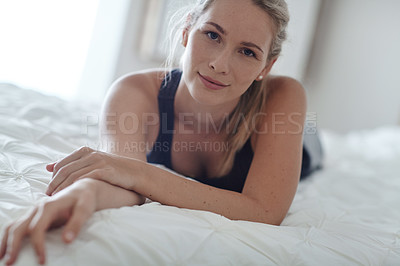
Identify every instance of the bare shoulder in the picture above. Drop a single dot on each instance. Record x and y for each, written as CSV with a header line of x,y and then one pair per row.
x,y
285,107
282,80
130,101
140,86
283,89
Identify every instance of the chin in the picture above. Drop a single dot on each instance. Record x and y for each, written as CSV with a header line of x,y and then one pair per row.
x,y
203,97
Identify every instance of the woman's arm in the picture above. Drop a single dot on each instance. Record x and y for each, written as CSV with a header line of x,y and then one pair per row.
x,y
164,186
170,189
109,196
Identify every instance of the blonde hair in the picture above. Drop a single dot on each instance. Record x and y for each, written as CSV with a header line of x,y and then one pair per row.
x,y
253,100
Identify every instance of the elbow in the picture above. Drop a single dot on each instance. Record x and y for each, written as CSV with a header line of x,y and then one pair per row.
x,y
267,220
273,220
269,216
277,222
141,200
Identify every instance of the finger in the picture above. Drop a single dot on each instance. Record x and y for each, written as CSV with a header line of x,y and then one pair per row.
x,y
66,172
15,235
13,244
70,180
38,227
80,214
38,245
50,167
3,247
72,157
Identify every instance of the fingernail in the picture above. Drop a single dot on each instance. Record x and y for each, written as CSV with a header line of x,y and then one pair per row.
x,y
69,236
41,260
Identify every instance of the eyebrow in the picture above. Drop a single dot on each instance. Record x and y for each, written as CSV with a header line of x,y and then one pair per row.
x,y
220,29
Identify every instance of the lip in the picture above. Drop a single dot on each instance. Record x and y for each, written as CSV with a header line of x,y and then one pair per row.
x,y
212,83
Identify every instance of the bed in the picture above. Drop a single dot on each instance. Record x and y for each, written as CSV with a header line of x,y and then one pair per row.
x,y
345,214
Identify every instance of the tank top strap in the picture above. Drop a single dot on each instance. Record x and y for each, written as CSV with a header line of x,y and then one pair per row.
x,y
166,99
169,85
161,150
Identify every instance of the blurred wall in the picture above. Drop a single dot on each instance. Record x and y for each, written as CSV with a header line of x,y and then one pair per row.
x,y
114,46
353,77
296,49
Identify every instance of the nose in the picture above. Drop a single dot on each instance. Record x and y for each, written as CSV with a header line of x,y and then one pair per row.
x,y
220,62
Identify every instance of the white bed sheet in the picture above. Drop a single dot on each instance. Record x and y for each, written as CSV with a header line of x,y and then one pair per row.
x,y
346,214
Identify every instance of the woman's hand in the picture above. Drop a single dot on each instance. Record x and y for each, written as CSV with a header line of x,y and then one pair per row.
x,y
73,207
88,163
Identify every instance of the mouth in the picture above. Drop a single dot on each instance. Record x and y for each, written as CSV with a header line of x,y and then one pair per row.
x,y
212,83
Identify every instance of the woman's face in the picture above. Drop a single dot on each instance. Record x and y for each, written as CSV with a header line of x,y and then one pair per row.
x,y
226,50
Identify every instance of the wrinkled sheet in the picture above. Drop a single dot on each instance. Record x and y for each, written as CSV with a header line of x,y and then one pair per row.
x,y
346,214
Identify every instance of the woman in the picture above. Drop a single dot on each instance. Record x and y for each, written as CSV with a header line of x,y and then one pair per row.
x,y
223,94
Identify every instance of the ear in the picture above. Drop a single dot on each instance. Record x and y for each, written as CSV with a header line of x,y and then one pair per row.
x,y
185,35
185,32
266,69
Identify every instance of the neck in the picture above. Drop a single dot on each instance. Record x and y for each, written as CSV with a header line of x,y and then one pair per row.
x,y
199,117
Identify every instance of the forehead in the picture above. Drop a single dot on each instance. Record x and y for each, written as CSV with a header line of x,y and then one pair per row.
x,y
241,19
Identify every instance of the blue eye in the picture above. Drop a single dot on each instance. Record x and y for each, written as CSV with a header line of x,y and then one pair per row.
x,y
249,53
212,35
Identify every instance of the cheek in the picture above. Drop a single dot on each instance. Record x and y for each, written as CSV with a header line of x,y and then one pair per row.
x,y
244,74
197,51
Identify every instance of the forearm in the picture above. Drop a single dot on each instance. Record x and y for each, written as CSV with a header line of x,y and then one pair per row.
x,y
110,196
170,189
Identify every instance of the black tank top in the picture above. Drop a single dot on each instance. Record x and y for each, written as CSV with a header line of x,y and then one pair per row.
x,y
161,150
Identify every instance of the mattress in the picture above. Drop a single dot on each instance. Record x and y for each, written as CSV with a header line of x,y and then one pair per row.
x,y
344,214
